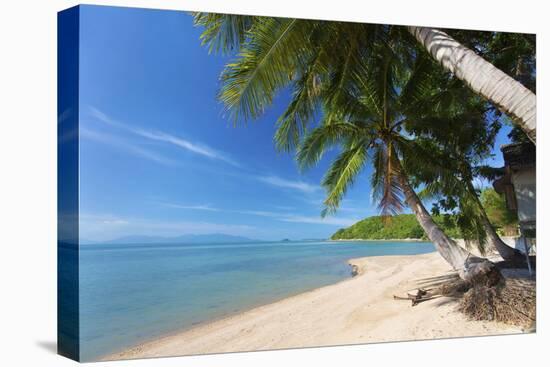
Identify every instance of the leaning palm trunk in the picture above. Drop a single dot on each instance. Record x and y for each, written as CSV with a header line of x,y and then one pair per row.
x,y
509,95
470,268
505,251
493,239
447,248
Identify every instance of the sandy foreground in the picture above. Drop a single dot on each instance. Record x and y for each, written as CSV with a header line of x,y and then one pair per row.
x,y
355,311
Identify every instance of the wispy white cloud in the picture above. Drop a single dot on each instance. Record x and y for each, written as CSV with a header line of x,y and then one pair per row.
x,y
346,206
101,227
192,207
284,207
350,209
207,207
115,222
258,213
130,148
193,147
334,221
280,216
200,149
102,116
295,185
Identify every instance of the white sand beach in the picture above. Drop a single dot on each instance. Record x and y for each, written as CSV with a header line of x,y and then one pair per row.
x,y
355,311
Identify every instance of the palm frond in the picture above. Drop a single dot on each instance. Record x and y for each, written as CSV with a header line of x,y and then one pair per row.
x,y
418,85
488,172
340,74
305,100
377,176
342,174
470,223
322,138
385,181
223,33
267,62
430,191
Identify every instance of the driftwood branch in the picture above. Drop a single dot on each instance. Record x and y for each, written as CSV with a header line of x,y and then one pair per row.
x,y
420,296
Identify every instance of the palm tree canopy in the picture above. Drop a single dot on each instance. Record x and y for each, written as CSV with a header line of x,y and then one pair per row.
x,y
308,55
363,80
368,85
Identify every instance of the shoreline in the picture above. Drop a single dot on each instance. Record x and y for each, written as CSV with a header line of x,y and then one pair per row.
x,y
114,356
380,240
356,310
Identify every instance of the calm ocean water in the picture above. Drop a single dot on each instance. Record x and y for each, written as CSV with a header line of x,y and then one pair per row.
x,y
133,293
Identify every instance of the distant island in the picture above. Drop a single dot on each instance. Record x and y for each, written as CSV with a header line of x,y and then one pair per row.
x,y
188,239
403,226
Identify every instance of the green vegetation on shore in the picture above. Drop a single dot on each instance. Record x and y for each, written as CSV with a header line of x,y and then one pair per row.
x,y
504,220
406,226
395,227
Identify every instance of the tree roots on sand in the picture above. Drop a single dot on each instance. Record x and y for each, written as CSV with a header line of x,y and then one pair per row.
x,y
511,299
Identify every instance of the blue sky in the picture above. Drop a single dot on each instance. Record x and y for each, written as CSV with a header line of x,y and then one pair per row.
x,y
158,156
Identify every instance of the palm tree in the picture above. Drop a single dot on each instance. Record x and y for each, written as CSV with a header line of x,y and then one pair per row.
x,y
366,123
456,145
354,74
482,77
379,141
363,101
451,184
276,52
505,251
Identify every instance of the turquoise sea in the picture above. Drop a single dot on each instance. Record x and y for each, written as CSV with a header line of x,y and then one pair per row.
x,y
133,293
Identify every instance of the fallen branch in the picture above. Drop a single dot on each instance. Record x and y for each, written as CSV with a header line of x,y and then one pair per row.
x,y
420,296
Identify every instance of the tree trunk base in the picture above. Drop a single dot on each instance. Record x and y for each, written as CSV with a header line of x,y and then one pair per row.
x,y
513,302
478,271
484,293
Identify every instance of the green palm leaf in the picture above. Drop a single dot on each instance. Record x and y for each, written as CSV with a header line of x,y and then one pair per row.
x,y
223,33
322,138
266,63
305,100
342,174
